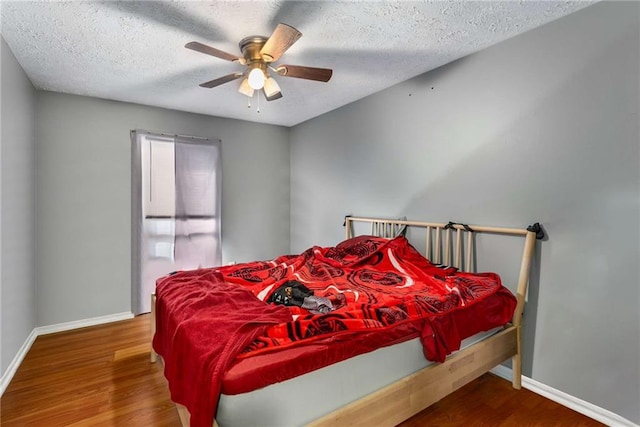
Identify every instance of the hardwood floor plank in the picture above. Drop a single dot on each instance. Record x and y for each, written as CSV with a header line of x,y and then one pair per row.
x,y
101,376
491,401
98,376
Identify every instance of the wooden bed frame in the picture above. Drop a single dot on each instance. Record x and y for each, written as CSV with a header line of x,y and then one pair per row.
x,y
406,397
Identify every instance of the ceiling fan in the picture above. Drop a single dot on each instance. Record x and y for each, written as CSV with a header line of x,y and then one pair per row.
x,y
259,54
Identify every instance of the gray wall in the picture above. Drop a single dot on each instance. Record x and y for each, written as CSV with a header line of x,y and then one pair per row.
x,y
83,187
17,281
543,127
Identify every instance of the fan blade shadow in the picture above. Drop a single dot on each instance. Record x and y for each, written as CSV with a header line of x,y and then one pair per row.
x,y
178,81
359,61
208,50
170,15
296,13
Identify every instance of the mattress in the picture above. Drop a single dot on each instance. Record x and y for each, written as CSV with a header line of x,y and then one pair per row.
x,y
305,398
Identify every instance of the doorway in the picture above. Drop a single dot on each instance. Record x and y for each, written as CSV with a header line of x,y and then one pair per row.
x,y
175,209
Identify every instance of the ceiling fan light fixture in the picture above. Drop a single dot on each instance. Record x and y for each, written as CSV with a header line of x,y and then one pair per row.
x,y
256,78
245,89
259,54
271,87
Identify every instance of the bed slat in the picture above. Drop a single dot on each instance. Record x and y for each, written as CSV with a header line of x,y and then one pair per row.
x,y
458,249
438,245
468,259
447,248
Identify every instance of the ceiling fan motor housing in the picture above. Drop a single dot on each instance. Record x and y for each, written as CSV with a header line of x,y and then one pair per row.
x,y
250,48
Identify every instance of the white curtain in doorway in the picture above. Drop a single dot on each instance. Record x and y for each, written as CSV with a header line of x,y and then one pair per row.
x,y
197,215
176,203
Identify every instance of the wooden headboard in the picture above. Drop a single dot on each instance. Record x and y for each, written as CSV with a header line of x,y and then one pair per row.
x,y
442,247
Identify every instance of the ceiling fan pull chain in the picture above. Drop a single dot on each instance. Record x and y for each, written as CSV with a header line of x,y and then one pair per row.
x,y
248,102
258,103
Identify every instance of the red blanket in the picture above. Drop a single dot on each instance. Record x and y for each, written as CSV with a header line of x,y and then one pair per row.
x,y
373,284
204,322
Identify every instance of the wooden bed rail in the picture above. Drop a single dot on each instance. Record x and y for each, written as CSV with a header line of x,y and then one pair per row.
x,y
441,247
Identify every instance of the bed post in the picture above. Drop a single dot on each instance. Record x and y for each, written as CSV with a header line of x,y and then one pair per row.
x,y
347,225
154,355
523,282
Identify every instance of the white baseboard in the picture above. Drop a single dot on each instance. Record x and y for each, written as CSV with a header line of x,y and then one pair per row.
x,y
17,361
76,324
43,330
582,406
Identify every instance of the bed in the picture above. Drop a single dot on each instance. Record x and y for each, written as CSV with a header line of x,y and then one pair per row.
x,y
368,332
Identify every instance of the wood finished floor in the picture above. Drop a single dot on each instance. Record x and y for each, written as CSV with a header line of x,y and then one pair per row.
x,y
101,376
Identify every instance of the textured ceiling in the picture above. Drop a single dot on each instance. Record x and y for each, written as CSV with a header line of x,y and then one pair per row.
x,y
134,51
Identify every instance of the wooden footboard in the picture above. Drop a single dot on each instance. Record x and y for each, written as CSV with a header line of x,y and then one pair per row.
x,y
401,400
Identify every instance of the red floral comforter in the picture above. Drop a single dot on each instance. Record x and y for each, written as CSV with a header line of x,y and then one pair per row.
x,y
362,285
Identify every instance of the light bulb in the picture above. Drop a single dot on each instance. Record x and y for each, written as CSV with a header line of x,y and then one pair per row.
x,y
256,78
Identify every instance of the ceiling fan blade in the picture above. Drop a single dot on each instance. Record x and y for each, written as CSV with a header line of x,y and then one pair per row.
x,y
273,97
203,48
282,38
309,73
222,80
